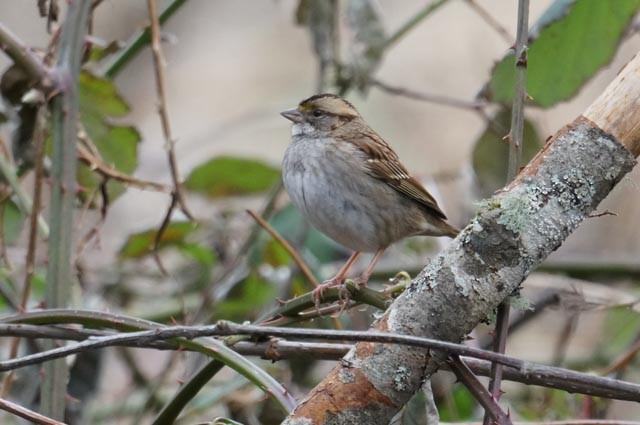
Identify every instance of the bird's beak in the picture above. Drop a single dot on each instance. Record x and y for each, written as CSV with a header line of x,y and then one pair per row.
x,y
293,115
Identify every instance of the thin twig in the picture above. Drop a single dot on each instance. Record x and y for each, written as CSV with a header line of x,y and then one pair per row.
x,y
426,97
623,390
118,61
562,343
602,214
158,236
27,414
38,141
225,328
499,346
415,20
490,20
516,138
94,231
486,400
282,241
158,62
623,360
97,164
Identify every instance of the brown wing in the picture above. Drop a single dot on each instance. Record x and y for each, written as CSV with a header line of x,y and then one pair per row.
x,y
383,163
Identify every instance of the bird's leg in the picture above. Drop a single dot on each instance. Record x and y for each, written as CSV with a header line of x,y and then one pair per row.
x,y
336,280
364,277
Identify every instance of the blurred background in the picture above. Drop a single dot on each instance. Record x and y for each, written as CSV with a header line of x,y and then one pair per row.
x,y
230,68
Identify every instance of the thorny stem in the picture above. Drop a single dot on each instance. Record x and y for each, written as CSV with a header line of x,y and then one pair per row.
x,y
520,92
137,42
283,349
158,62
64,111
486,400
516,137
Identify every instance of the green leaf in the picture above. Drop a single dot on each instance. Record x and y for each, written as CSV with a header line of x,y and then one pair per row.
x,y
117,145
199,253
621,327
225,175
459,407
490,154
141,244
574,39
98,96
12,220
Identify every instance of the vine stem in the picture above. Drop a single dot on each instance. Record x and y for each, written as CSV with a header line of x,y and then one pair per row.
x,y
64,114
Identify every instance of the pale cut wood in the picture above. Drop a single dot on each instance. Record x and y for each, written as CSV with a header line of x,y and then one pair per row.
x,y
617,110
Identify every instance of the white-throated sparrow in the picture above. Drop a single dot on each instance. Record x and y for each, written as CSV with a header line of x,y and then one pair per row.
x,y
349,183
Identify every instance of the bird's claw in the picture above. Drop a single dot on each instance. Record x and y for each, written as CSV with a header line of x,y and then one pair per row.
x,y
343,293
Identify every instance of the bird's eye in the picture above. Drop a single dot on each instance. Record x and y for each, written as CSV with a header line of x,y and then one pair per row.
x,y
317,113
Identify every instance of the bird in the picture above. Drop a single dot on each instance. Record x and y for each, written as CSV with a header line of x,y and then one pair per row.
x,y
350,184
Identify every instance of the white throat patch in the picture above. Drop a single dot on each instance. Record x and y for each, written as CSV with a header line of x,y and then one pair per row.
x,y
298,129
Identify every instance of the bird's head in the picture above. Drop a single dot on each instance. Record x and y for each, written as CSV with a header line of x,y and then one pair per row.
x,y
321,113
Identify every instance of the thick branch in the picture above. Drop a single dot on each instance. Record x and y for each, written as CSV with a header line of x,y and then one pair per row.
x,y
516,230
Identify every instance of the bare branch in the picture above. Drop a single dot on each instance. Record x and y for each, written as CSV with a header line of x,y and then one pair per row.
x,y
426,97
486,399
415,20
490,20
27,414
158,62
98,165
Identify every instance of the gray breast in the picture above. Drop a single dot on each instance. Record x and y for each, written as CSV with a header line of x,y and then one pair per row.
x,y
339,199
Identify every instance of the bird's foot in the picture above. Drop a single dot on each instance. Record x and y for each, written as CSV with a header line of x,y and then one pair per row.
x,y
319,291
362,279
